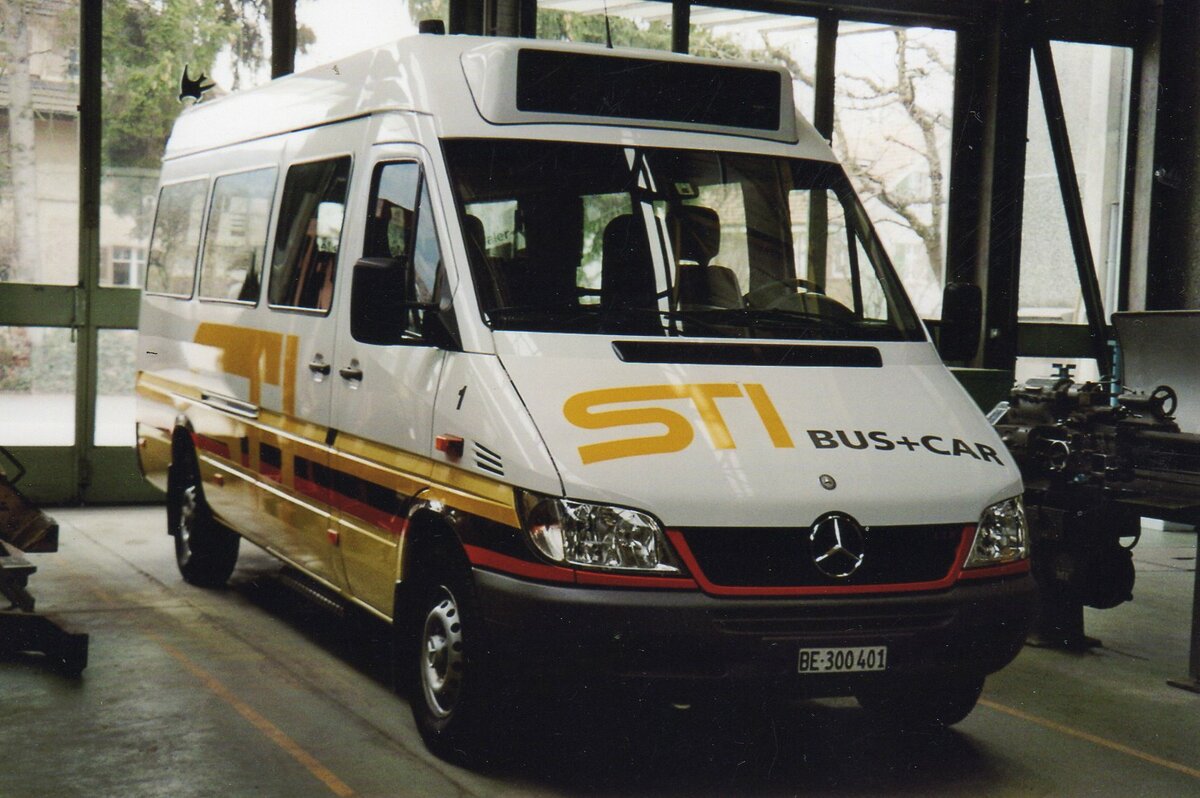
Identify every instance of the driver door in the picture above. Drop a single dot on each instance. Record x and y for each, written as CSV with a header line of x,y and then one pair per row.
x,y
383,394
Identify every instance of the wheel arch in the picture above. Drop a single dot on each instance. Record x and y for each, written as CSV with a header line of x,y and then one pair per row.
x,y
183,450
431,527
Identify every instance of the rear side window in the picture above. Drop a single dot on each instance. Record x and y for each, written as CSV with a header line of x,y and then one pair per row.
x,y
235,242
309,234
175,242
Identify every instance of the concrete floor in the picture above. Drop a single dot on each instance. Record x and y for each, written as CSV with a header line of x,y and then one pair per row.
x,y
247,691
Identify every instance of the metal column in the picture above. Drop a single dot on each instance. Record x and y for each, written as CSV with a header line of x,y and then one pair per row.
x,y
1068,183
283,38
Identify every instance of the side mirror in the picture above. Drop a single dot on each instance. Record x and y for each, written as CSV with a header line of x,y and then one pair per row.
x,y
962,315
380,301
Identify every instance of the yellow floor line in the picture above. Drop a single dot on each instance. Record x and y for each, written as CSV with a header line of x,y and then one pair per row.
x,y
214,685
1092,738
273,732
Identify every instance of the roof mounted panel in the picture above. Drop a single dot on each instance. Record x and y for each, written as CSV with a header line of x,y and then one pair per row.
x,y
514,84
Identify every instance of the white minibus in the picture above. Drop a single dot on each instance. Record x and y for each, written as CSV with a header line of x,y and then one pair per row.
x,y
564,360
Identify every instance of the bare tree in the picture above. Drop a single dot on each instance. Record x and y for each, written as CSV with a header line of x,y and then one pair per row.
x,y
15,27
919,208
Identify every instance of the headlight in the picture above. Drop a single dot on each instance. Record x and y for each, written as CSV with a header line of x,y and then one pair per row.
x,y
1002,535
598,536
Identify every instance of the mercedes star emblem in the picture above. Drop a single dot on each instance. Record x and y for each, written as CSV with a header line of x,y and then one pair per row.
x,y
837,545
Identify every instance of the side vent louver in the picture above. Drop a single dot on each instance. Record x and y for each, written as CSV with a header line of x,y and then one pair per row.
x,y
488,461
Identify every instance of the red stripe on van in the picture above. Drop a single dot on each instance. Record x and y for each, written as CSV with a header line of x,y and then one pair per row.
x,y
212,445
602,579
486,558
992,571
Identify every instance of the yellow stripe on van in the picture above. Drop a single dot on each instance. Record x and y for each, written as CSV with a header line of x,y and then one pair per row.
x,y
405,472
257,355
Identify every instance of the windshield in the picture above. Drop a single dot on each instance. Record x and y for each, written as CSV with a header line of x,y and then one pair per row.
x,y
592,238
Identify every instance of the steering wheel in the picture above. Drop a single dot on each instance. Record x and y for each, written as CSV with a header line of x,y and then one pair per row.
x,y
808,285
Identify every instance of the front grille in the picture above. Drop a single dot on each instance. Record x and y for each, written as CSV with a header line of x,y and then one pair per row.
x,y
783,557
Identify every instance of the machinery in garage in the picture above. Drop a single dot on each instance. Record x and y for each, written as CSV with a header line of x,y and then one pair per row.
x,y
1094,465
24,529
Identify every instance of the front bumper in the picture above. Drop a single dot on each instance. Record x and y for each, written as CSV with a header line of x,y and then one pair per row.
x,y
973,628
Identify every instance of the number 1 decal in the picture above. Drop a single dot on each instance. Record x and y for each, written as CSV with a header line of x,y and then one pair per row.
x,y
462,394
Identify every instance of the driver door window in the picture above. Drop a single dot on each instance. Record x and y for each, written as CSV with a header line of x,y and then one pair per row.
x,y
402,228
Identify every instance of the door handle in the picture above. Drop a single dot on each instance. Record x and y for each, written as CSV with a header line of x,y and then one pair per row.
x,y
320,367
352,372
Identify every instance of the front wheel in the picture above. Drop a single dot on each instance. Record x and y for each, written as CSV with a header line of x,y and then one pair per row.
x,y
452,688
930,704
205,551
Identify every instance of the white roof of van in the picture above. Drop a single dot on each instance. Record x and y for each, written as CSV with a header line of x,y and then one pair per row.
x,y
424,74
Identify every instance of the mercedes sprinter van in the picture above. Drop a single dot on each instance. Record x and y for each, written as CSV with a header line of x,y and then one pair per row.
x,y
558,356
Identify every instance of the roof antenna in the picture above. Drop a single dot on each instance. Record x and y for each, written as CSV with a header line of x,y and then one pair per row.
x,y
607,28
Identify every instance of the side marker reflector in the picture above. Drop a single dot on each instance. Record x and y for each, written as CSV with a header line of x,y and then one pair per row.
x,y
450,445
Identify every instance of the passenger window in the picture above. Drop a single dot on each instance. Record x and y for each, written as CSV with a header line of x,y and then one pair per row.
x,y
309,234
235,241
175,241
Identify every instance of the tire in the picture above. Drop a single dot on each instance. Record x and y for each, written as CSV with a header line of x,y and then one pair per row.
x,y
205,551
930,705
447,668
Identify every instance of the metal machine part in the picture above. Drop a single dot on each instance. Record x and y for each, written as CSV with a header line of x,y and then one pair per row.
x,y
25,528
1094,464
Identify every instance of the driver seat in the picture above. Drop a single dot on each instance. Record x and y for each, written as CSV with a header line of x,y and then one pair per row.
x,y
696,236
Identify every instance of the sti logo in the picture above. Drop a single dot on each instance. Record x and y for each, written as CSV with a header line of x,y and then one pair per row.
x,y
678,432
583,411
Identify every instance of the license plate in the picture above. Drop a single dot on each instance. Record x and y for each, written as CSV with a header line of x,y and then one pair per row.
x,y
853,659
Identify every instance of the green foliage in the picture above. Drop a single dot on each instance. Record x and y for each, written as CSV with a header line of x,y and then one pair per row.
x,y
36,361
14,360
42,361
146,45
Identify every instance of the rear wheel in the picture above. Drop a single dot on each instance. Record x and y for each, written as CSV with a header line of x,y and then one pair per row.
x,y
205,551
930,704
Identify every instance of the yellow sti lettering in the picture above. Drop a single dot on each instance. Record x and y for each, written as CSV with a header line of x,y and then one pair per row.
x,y
770,416
579,410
